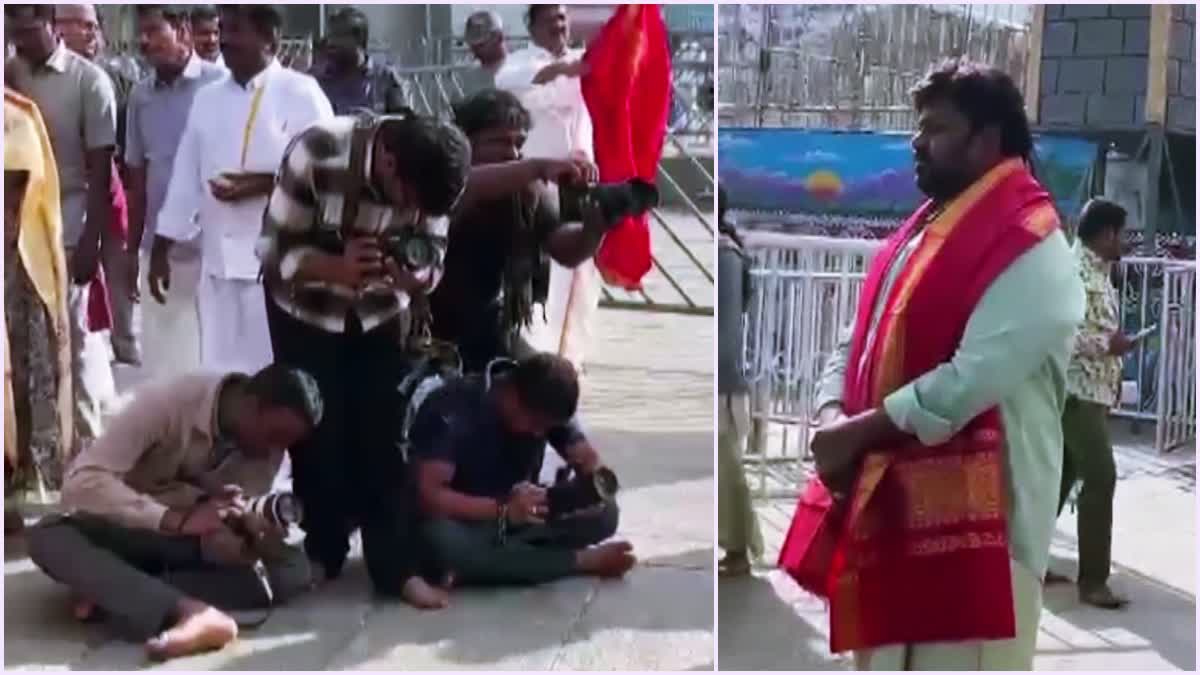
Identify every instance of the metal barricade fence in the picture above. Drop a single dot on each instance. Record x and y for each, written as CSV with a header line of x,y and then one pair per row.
x,y
1177,365
804,293
803,289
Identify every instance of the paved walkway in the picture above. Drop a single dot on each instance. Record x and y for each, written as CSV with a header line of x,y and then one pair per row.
x,y
648,404
767,623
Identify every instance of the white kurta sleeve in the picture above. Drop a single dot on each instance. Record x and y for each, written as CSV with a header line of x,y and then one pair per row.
x,y
185,191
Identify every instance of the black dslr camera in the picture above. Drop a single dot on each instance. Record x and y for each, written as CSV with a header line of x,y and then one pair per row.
x,y
616,201
412,250
580,491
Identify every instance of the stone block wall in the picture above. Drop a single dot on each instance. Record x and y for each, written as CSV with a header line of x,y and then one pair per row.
x,y
1181,70
1095,66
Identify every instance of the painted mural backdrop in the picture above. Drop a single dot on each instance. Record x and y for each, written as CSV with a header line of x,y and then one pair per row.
x,y
864,174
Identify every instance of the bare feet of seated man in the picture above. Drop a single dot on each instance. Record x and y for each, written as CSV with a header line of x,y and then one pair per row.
x,y
197,628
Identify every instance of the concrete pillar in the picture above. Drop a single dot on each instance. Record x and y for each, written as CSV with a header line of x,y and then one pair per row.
x,y
1156,70
1154,162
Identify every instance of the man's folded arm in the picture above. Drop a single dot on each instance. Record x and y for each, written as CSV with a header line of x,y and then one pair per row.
x,y
1006,340
291,212
95,481
440,500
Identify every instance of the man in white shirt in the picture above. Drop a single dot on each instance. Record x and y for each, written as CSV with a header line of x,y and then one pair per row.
x,y
234,140
545,76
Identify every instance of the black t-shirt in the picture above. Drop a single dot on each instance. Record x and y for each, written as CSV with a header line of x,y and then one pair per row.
x,y
466,302
461,424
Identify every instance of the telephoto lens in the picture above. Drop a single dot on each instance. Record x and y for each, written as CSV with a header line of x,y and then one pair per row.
x,y
616,201
281,509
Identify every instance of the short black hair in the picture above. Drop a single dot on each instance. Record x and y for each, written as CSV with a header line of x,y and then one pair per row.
x,y
548,385
531,14
986,96
355,21
491,109
204,13
44,12
1099,215
172,14
266,19
433,156
282,386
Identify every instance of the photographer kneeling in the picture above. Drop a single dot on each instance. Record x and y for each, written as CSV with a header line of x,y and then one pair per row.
x,y
479,442
158,533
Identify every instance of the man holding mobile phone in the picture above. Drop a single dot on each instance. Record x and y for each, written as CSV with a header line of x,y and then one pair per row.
x,y
1093,388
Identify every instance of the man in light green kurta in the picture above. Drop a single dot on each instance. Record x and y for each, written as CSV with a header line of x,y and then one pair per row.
x,y
1014,353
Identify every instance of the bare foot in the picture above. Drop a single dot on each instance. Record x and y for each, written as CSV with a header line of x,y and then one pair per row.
x,y
418,593
611,560
200,628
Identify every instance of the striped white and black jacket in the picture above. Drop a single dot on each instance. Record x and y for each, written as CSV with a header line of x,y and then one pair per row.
x,y
304,214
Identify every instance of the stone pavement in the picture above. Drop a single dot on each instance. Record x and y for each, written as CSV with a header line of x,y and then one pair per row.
x,y
648,401
766,622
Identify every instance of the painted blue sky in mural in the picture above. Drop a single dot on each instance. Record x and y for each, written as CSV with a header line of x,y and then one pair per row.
x,y
857,173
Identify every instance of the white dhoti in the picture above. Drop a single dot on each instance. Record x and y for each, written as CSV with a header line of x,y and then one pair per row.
x,y
1014,654
171,331
234,336
571,306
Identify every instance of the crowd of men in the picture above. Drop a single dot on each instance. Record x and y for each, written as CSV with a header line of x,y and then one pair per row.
x,y
294,262
955,415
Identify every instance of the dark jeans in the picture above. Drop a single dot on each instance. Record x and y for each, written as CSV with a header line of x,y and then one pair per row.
x,y
139,576
1089,457
350,472
530,555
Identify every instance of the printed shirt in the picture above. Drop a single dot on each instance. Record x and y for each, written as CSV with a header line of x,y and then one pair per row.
x,y
304,216
235,128
1094,374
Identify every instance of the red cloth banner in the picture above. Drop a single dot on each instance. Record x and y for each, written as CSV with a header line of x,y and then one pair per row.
x,y
628,94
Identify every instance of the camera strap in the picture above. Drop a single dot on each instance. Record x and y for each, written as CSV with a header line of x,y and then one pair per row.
x,y
364,130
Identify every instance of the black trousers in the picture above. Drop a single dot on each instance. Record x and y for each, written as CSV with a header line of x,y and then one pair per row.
x,y
479,345
350,473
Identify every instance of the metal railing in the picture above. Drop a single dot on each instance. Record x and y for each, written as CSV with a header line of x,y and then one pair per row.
x,y
804,293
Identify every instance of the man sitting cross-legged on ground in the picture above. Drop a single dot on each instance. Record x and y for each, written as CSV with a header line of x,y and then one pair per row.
x,y
479,442
155,533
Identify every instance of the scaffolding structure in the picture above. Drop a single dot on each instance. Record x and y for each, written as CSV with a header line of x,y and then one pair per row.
x,y
851,66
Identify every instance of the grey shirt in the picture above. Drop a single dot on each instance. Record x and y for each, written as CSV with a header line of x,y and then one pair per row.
x,y
155,119
731,268
478,79
77,100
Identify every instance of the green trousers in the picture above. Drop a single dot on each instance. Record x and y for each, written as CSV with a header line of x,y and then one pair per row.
x,y
1089,458
737,524
529,555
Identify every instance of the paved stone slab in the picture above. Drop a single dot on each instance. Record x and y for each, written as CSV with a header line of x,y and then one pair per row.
x,y
766,622
648,407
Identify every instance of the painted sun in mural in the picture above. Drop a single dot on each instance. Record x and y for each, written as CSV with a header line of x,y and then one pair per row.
x,y
824,184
